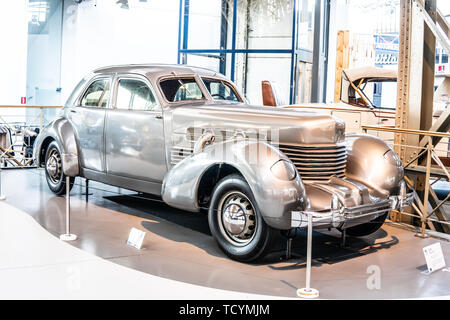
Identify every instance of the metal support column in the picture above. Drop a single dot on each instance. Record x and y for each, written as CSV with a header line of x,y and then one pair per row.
x,y
233,41
428,72
293,81
223,36
415,84
183,29
409,82
320,51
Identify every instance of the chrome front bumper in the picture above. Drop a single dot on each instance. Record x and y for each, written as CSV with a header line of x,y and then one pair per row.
x,y
342,217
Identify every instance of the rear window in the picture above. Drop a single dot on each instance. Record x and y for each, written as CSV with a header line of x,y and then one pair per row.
x,y
179,89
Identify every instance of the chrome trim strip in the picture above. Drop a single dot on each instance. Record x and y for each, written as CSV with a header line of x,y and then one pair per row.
x,y
341,217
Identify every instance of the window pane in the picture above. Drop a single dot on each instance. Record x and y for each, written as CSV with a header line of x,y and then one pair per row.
x,y
264,24
135,95
220,90
97,94
43,71
123,97
181,89
205,15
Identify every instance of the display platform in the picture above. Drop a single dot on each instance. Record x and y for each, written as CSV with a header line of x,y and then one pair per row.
x,y
178,246
37,265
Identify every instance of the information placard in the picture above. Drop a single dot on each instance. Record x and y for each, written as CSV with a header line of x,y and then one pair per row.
x,y
434,257
135,238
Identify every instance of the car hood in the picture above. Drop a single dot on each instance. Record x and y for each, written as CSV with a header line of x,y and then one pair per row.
x,y
289,126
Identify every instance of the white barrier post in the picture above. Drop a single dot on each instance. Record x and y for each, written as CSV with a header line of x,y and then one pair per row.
x,y
2,196
68,236
308,292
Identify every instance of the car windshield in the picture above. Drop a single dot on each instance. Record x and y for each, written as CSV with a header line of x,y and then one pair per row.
x,y
220,90
179,89
378,94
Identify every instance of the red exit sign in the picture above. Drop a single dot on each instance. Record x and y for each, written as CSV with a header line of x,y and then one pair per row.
x,y
23,100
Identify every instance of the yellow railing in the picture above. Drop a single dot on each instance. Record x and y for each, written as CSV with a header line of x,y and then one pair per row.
x,y
408,131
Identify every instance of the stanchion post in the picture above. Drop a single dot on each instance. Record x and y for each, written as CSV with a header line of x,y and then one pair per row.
x,y
2,196
308,292
68,236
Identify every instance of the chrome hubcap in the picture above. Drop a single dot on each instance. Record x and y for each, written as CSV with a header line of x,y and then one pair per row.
x,y
234,219
53,166
237,218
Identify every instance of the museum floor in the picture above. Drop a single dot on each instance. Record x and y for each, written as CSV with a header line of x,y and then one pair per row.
x,y
178,246
34,264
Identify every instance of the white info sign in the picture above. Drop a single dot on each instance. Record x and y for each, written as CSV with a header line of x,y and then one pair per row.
x,y
434,257
136,238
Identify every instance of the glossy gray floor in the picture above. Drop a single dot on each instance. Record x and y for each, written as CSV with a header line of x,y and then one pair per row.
x,y
178,246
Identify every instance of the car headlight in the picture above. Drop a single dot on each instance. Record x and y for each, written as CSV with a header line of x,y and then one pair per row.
x,y
340,130
284,170
391,157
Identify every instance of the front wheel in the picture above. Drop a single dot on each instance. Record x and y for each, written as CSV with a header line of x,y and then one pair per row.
x,y
235,220
56,179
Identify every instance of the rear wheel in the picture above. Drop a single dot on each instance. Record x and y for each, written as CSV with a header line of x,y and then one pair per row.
x,y
366,228
56,179
235,220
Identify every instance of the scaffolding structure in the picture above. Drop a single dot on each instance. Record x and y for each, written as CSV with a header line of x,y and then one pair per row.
x,y
297,54
427,207
17,137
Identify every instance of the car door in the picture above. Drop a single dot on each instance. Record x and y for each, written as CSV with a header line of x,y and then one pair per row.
x,y
88,120
134,134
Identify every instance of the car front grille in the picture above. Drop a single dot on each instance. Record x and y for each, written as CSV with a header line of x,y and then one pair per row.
x,y
317,163
314,163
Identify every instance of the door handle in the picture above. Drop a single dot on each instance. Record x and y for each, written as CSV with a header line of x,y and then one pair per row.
x,y
158,116
73,111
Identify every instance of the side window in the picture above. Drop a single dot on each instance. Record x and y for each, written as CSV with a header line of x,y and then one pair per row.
x,y
135,95
97,94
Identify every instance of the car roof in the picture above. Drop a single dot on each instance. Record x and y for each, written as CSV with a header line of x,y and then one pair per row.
x,y
370,72
155,71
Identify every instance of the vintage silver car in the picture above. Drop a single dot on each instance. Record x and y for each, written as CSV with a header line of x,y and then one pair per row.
x,y
187,134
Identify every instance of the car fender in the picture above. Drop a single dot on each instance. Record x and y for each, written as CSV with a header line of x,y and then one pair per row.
x,y
374,163
61,131
275,198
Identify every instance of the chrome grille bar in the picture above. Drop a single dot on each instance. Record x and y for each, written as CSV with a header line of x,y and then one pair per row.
x,y
317,163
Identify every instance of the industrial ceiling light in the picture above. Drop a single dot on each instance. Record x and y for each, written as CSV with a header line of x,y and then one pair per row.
x,y
124,4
